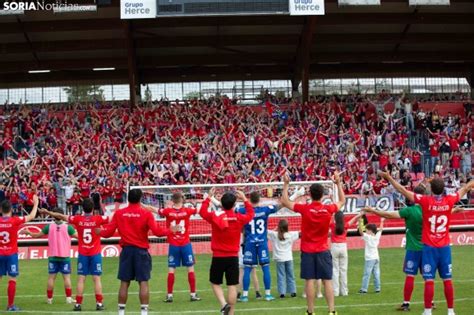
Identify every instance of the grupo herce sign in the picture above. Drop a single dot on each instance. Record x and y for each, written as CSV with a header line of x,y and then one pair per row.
x,y
137,9
306,7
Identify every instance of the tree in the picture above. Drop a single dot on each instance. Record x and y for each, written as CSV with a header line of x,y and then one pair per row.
x,y
84,93
193,95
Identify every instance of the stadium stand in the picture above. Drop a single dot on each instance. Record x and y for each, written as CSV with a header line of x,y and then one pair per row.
x,y
64,153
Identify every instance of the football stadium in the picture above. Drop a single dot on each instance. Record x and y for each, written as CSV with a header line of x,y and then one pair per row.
x,y
237,157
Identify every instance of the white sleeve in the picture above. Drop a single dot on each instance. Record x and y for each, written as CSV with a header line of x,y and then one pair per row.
x,y
272,235
365,236
294,236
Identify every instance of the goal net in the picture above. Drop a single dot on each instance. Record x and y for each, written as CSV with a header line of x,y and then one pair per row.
x,y
270,193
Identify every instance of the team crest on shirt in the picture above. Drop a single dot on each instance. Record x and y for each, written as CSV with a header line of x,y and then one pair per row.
x,y
171,258
410,264
427,268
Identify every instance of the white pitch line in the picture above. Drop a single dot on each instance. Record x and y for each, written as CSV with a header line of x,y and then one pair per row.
x,y
209,290
240,310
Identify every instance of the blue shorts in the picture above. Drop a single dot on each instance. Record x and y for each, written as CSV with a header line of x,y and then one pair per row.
x,y
89,265
134,264
256,253
412,262
63,267
9,265
180,256
316,265
436,258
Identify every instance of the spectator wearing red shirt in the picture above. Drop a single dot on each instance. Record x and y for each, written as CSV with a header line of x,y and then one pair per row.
x,y
416,162
316,262
133,224
456,161
225,243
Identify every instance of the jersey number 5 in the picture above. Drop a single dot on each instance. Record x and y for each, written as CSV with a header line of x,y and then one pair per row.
x,y
438,224
87,237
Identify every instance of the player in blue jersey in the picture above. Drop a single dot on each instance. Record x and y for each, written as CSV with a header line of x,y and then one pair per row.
x,y
256,246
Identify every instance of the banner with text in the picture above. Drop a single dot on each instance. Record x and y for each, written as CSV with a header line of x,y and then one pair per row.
x,y
137,9
306,7
355,203
359,2
429,2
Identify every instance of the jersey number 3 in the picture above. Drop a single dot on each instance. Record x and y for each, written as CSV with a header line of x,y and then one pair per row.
x,y
438,224
5,237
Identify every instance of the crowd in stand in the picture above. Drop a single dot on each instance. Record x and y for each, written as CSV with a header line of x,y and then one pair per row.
x,y
103,147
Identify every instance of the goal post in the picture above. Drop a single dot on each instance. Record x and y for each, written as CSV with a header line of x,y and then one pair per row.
x,y
270,193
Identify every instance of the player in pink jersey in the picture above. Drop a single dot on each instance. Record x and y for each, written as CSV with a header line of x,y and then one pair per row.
x,y
89,261
9,227
436,253
180,252
316,261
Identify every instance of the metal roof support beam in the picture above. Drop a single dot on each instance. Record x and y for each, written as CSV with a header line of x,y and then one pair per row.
x,y
303,56
133,83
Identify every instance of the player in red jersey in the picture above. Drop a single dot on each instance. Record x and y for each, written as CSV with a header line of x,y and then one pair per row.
x,y
89,261
180,252
436,253
133,224
9,227
316,261
225,244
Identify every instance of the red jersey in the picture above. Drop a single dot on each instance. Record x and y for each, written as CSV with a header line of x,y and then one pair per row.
x,y
315,225
133,224
88,240
9,227
436,218
338,238
226,228
85,189
178,217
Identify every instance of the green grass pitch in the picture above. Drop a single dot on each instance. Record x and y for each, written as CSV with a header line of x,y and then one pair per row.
x,y
31,289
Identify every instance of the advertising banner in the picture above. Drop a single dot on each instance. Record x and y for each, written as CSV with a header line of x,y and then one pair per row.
x,y
306,7
137,9
359,2
429,2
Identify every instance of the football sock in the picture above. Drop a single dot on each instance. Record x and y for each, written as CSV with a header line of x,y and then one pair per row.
x,y
144,309
429,293
99,298
79,299
192,282
246,279
68,292
449,293
408,289
11,292
170,283
121,309
49,293
267,278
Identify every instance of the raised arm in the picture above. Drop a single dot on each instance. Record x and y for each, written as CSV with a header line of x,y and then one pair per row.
x,y
354,219
32,215
285,200
340,190
57,216
466,188
383,214
408,194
